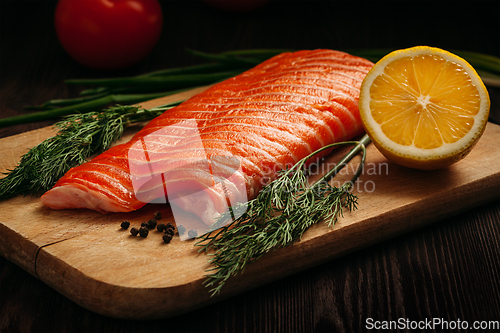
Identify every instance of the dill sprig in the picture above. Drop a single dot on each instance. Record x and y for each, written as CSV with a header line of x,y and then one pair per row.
x,y
278,216
79,136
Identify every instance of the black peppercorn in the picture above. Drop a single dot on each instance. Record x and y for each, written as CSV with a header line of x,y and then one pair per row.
x,y
157,215
125,224
169,231
151,224
160,227
167,238
181,229
143,232
134,231
170,225
144,224
192,233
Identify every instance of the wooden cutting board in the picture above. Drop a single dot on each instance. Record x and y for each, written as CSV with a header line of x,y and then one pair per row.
x,y
87,257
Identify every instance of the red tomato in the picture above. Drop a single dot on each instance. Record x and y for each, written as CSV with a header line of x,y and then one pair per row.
x,y
237,5
108,34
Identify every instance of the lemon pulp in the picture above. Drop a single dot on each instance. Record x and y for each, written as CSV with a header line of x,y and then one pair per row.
x,y
423,105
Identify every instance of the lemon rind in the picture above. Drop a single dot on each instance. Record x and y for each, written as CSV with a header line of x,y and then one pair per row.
x,y
373,129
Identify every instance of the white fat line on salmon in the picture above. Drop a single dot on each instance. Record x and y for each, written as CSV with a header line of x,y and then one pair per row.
x,y
165,165
336,76
244,160
327,74
270,145
304,127
298,84
343,89
316,115
84,197
236,182
308,54
333,137
352,65
266,129
212,169
310,122
303,100
296,98
339,56
182,147
108,166
267,154
312,91
332,55
313,105
341,107
102,175
301,77
331,114
104,191
155,186
145,172
344,133
311,116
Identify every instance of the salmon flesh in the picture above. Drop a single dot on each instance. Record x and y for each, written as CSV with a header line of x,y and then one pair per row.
x,y
224,144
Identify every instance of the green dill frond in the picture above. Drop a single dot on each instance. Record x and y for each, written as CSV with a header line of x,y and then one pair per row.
x,y
278,217
79,136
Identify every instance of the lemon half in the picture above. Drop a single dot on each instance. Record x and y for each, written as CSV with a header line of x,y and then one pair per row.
x,y
424,107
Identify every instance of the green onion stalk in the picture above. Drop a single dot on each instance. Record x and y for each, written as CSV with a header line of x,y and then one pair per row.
x,y
218,67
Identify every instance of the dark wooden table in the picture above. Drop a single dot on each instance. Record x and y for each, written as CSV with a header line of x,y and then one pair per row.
x,y
449,270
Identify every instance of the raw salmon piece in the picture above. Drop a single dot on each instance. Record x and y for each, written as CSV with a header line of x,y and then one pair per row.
x,y
223,145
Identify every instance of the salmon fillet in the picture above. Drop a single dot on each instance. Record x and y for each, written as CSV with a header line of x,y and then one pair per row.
x,y
223,145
